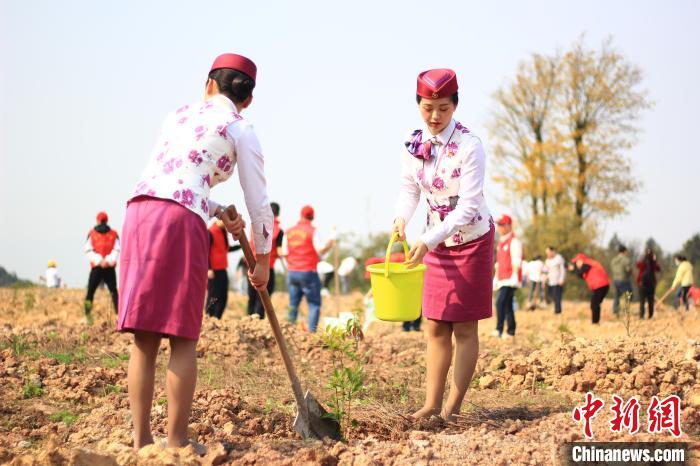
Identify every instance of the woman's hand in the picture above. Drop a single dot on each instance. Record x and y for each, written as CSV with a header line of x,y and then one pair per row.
x,y
400,228
259,276
235,226
210,274
416,254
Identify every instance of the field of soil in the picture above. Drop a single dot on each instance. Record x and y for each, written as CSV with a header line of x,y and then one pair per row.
x,y
63,388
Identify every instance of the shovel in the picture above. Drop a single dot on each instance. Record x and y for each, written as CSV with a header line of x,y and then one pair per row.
x,y
312,421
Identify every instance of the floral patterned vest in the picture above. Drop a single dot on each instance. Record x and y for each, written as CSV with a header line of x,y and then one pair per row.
x,y
442,191
192,155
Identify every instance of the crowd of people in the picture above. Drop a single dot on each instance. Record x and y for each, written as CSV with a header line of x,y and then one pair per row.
x,y
300,253
544,280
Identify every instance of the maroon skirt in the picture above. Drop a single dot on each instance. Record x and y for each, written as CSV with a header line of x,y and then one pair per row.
x,y
163,269
459,281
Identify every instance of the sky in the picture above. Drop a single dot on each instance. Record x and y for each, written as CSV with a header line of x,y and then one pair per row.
x,y
84,87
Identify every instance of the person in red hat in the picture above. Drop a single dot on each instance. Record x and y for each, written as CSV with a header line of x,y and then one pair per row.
x,y
102,248
446,163
508,275
595,277
163,266
302,249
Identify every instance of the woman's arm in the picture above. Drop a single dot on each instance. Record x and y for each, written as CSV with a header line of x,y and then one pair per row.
x,y
251,167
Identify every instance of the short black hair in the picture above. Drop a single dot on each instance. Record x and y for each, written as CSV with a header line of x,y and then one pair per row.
x,y
454,97
275,209
681,257
233,84
621,248
551,248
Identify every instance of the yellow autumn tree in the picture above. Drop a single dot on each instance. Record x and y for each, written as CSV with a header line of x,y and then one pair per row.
x,y
561,129
524,134
600,102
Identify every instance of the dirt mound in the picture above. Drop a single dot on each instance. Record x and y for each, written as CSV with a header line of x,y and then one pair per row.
x,y
628,367
64,400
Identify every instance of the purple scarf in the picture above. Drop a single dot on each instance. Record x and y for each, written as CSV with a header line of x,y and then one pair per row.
x,y
419,149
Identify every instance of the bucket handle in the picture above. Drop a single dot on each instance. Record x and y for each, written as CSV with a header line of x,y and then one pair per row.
x,y
394,237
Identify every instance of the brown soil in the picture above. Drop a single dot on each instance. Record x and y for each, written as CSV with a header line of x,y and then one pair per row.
x,y
63,395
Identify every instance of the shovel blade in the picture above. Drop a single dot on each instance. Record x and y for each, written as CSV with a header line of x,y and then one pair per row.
x,y
312,421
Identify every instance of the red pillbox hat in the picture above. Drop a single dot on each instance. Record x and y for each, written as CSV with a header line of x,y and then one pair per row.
x,y
434,84
236,62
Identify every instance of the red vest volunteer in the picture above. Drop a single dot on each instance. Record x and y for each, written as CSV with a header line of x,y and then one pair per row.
x,y
592,272
302,255
102,243
219,249
505,255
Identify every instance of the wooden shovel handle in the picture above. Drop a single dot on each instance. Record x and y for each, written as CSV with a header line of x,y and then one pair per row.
x,y
662,298
271,317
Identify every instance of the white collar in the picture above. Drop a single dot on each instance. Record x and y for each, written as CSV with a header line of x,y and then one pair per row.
x,y
443,136
220,98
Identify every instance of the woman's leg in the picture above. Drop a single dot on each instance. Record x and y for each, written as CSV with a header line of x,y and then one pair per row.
x,y
140,379
596,300
312,291
595,307
295,295
224,293
437,361
558,290
684,295
643,290
466,354
500,309
180,383
510,314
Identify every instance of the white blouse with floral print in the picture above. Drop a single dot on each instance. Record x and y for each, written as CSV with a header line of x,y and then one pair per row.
x,y
452,181
198,147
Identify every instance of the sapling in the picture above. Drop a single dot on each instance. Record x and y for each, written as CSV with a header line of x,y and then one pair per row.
x,y
347,380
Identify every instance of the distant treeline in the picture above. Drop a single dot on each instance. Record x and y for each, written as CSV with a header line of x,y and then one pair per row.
x,y
8,279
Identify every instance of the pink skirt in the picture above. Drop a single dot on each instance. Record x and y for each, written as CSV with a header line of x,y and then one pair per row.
x,y
163,269
459,281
